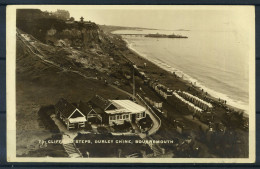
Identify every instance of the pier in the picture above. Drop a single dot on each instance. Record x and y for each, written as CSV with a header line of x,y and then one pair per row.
x,y
136,35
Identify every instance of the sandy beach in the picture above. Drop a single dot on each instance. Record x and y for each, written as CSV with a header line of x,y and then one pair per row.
x,y
186,81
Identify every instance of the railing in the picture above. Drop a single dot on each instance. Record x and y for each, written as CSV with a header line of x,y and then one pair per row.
x,y
81,156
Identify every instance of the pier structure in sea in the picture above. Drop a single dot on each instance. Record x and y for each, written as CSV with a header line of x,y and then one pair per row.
x,y
132,34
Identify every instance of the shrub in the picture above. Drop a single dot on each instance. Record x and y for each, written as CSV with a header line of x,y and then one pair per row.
x,y
88,126
145,122
44,115
102,130
123,127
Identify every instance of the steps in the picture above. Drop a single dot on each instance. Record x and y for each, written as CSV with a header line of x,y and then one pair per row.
x,y
72,151
157,150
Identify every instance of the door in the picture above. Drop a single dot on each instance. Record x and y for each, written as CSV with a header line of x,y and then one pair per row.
x,y
133,116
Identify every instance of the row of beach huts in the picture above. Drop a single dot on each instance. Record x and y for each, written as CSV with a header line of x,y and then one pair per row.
x,y
194,103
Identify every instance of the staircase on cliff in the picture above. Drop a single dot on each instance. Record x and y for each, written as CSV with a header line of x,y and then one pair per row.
x,y
72,151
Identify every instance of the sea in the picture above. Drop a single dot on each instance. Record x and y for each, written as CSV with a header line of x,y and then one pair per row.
x,y
217,61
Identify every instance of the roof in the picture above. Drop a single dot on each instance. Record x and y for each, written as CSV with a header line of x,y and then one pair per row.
x,y
98,101
85,108
65,108
78,119
187,102
99,111
128,106
195,97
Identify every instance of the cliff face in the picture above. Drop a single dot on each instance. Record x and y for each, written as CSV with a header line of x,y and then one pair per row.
x,y
54,31
78,35
81,46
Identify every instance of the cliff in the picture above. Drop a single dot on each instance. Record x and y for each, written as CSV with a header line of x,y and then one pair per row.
x,y
52,30
78,46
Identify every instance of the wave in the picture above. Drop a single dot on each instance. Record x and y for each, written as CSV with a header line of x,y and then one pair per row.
x,y
230,101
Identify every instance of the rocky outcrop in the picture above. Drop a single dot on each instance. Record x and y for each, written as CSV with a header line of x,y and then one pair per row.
x,y
83,35
78,35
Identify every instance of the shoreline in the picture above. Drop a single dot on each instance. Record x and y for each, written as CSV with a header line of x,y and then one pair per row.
x,y
188,81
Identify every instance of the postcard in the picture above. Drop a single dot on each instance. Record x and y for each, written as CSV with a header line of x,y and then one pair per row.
x,y
130,84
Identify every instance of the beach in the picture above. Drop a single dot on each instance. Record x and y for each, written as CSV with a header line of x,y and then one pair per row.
x,y
233,118
218,73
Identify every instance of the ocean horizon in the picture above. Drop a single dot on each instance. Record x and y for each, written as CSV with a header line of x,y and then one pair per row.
x,y
216,61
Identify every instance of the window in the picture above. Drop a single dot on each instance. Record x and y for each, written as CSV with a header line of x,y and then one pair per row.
x,y
139,115
112,117
125,116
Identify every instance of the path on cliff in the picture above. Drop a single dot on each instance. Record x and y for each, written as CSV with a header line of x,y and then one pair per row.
x,y
42,56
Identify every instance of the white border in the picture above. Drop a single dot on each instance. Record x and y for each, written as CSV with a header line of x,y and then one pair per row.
x,y
11,89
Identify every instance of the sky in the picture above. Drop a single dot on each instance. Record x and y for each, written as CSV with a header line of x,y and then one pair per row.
x,y
216,18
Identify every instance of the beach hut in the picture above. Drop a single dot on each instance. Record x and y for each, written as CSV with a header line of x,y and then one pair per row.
x,y
197,101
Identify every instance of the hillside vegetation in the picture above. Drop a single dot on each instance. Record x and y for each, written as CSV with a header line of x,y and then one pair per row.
x,y
47,71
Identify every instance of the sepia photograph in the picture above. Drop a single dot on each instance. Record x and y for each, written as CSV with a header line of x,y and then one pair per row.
x,y
132,83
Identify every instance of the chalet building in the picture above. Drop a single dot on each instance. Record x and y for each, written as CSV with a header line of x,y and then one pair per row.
x,y
70,115
98,110
124,110
112,112
93,114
